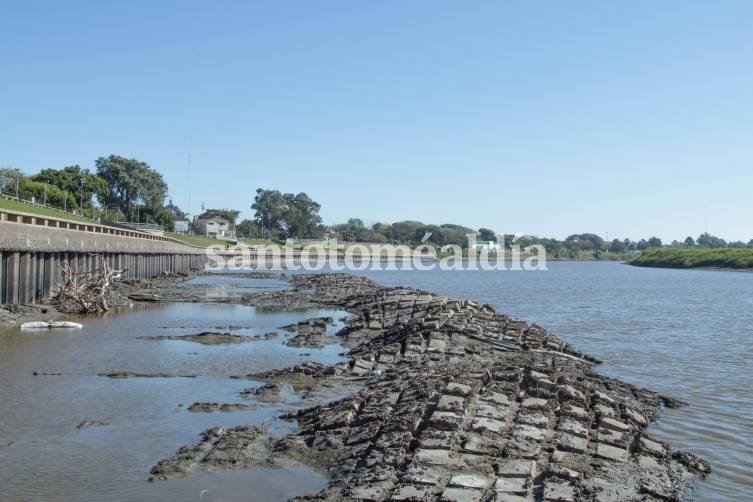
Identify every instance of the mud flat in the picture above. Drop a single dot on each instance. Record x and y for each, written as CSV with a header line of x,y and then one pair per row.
x,y
458,403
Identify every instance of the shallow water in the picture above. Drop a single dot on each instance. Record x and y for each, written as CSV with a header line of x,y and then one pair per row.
x,y
684,333
50,459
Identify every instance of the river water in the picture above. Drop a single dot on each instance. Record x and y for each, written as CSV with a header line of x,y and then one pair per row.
x,y
683,333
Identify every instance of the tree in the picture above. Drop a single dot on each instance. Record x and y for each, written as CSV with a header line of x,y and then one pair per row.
x,y
617,246
590,243
484,234
654,242
302,215
8,178
52,194
248,229
80,183
270,209
689,242
177,213
706,240
130,183
294,215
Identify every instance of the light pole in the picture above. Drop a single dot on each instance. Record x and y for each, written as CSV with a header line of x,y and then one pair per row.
x,y
18,179
262,226
81,197
45,194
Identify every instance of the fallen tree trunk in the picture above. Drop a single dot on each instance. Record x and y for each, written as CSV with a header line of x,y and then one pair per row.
x,y
85,292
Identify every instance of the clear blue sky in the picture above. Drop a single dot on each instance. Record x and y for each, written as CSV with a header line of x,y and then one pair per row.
x,y
549,118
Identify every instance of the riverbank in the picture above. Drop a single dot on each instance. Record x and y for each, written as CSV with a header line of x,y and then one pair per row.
x,y
458,402
687,258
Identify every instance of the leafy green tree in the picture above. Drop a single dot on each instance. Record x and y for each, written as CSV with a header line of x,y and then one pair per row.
x,y
53,195
294,215
8,177
270,209
654,242
689,242
301,216
485,234
590,243
617,246
80,183
403,232
132,183
248,229
706,240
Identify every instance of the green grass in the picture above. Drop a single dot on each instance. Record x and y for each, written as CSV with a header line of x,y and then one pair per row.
x,y
13,205
196,240
731,258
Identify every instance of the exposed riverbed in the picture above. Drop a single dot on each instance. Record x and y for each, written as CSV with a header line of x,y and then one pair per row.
x,y
657,331
45,456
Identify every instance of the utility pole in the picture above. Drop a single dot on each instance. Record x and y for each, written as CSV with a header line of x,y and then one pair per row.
x,y
262,226
18,179
45,194
81,197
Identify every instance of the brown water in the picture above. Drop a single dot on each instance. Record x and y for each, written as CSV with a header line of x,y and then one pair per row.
x,y
49,459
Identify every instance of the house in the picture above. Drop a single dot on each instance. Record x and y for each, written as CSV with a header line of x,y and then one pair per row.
x,y
213,226
181,226
489,246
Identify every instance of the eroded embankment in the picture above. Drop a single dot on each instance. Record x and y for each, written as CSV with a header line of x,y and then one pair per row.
x,y
459,403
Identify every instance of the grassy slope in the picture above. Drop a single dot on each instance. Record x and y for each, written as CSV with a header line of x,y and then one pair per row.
x,y
696,258
195,240
13,205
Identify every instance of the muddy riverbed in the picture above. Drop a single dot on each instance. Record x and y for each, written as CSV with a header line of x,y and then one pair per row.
x,y
440,398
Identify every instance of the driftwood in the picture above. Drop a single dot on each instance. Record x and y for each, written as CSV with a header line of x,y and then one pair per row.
x,y
84,292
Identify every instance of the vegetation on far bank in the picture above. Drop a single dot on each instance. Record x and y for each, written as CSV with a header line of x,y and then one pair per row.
x,y
731,258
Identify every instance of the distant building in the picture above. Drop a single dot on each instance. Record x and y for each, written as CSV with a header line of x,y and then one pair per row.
x,y
181,226
489,246
213,226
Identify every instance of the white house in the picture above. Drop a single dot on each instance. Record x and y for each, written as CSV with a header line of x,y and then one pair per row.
x,y
213,226
489,246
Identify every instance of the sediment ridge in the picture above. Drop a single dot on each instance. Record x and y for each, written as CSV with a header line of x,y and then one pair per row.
x,y
458,403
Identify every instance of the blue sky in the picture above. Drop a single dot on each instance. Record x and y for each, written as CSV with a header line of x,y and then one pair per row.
x,y
548,118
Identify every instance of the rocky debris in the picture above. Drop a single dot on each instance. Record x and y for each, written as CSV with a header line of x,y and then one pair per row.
x,y
210,407
310,332
133,374
219,448
92,423
462,403
269,390
205,338
305,369
145,296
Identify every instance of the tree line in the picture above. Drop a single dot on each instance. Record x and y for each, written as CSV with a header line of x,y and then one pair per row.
x,y
119,189
123,189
